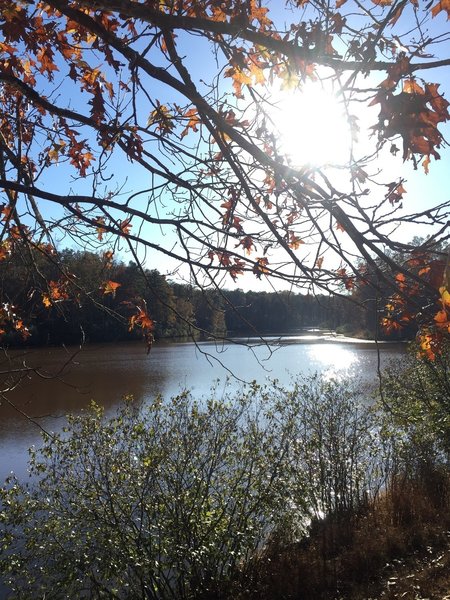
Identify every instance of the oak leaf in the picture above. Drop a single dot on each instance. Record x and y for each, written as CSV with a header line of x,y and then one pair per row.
x,y
193,120
110,287
442,320
427,347
100,221
442,5
260,267
125,226
294,241
46,301
410,86
247,244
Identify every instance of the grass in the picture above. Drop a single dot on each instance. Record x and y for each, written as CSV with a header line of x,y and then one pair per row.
x,y
397,547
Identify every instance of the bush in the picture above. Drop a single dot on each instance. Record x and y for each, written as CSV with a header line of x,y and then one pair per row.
x,y
416,408
338,445
168,500
181,499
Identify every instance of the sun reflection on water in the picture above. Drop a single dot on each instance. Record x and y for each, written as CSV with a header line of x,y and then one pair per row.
x,y
333,359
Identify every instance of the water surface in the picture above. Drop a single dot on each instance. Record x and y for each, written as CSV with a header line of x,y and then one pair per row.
x,y
66,380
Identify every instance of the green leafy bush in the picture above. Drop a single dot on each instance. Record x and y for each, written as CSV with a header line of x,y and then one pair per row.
x,y
168,500
179,499
416,405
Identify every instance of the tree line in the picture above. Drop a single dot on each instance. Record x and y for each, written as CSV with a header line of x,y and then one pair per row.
x,y
113,289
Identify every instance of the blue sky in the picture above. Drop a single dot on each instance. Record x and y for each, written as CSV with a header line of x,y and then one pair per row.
x,y
423,191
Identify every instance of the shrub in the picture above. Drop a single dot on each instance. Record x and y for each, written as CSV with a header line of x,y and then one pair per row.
x,y
168,500
181,499
416,409
339,448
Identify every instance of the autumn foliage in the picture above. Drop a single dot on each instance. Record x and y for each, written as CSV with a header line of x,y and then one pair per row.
x,y
149,127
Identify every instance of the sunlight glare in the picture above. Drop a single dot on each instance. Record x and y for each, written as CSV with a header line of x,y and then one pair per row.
x,y
311,126
332,359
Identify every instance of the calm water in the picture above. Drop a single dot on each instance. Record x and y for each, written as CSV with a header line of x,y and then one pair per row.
x,y
66,382
62,380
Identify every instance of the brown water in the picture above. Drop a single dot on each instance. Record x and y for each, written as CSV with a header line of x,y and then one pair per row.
x,y
66,381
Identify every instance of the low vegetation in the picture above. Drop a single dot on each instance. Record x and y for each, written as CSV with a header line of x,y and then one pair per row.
x,y
308,492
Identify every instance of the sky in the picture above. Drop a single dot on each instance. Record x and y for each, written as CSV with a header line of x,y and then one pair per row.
x,y
295,121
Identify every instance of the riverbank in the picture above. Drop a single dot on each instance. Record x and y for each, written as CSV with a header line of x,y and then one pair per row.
x,y
397,547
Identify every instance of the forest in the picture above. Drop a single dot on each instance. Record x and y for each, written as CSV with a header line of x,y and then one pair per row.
x,y
113,289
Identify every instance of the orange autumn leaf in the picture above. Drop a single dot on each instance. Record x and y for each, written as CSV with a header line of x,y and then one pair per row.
x,y
125,226
236,269
46,301
401,280
100,229
11,12
348,281
239,78
45,57
260,267
193,120
247,244
410,86
442,320
142,320
259,13
110,287
57,291
7,213
162,118
395,192
442,5
390,325
19,326
5,249
426,346
295,242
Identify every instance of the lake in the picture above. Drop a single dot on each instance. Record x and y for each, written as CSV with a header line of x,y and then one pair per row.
x,y
66,380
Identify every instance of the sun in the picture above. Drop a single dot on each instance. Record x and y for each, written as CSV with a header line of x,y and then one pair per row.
x,y
311,126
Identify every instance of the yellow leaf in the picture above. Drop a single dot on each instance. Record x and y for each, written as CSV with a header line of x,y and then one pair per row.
x,y
445,296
